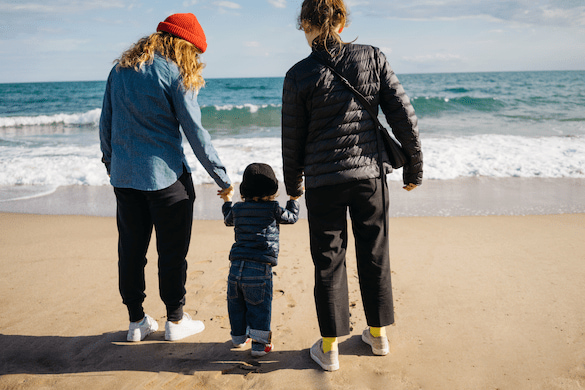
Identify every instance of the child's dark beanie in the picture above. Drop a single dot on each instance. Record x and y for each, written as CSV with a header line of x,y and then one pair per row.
x,y
258,181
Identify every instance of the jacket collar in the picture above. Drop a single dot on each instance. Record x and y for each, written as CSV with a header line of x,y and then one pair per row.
x,y
332,54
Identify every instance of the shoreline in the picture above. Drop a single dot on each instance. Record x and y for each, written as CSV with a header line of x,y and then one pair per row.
x,y
458,197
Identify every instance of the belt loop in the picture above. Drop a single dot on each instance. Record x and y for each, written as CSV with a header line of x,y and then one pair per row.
x,y
241,266
239,275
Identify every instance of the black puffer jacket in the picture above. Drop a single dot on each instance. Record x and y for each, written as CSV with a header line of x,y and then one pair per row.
x,y
257,228
326,133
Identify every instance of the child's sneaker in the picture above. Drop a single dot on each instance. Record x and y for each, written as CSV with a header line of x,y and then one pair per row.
x,y
241,345
139,330
185,328
328,361
259,349
379,344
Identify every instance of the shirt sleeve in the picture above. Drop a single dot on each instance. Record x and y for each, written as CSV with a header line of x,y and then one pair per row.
x,y
189,116
105,127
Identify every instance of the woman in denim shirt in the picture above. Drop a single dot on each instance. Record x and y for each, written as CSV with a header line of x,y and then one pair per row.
x,y
150,93
255,252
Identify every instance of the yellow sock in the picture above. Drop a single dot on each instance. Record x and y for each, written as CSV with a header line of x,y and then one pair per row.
x,y
329,344
377,332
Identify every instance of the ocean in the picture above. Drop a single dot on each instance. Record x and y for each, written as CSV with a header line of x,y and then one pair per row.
x,y
493,125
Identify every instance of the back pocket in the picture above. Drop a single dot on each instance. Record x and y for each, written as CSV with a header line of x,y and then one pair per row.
x,y
254,292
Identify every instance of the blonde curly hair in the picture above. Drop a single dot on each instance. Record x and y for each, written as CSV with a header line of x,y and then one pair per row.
x,y
183,53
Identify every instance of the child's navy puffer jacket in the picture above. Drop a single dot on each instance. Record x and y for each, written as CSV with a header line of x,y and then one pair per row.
x,y
257,228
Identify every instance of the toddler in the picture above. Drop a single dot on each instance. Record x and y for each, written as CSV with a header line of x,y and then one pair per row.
x,y
255,252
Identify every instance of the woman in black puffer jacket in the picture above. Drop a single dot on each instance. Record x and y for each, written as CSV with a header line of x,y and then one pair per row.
x,y
329,138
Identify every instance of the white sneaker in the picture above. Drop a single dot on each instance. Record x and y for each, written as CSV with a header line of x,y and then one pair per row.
x,y
328,361
139,330
185,328
379,344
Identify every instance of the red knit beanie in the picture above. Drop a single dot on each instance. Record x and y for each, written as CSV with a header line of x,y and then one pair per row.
x,y
187,27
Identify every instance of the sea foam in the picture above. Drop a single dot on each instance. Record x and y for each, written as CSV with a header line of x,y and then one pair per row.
x,y
444,158
86,118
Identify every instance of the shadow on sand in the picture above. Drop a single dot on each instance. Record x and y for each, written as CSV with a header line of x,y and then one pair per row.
x,y
110,352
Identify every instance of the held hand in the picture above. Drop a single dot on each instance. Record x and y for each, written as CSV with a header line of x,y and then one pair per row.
x,y
297,197
410,187
226,194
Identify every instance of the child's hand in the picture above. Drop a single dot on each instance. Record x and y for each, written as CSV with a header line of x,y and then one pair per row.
x,y
226,194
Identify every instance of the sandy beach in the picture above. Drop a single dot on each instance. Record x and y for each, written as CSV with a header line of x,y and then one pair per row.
x,y
482,302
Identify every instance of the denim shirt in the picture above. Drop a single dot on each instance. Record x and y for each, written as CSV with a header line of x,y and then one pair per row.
x,y
139,128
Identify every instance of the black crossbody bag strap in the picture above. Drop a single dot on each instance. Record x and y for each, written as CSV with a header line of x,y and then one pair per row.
x,y
379,128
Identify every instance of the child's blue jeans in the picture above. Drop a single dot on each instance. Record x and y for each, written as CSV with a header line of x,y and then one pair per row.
x,y
249,296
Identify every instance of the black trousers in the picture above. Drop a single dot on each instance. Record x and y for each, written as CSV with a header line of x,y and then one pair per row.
x,y
170,211
327,213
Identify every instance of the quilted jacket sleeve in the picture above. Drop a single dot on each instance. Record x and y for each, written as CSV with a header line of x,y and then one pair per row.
x,y
294,135
228,215
291,214
401,117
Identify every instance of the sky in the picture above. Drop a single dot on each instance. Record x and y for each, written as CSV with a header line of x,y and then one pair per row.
x,y
78,40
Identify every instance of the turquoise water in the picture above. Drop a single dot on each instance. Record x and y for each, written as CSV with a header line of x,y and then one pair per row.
x,y
508,124
548,98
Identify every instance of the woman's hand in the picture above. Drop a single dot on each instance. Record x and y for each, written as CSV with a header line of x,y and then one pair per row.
x,y
410,187
226,194
297,197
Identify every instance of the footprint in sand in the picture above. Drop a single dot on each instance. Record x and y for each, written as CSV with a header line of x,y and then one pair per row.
x,y
280,293
203,262
291,301
195,274
222,321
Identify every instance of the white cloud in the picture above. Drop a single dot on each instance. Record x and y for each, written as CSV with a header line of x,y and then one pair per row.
x,y
551,12
278,3
355,3
110,21
433,58
227,4
60,45
59,6
252,44
386,50
557,14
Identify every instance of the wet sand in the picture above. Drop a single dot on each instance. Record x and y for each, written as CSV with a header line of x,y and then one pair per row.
x,y
471,196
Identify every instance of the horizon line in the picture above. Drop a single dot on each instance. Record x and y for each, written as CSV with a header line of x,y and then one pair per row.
x,y
282,77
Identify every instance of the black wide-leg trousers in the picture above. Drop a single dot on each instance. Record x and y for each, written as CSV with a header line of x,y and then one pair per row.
x,y
327,213
170,212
